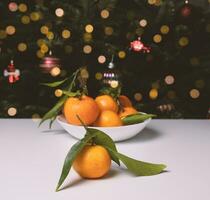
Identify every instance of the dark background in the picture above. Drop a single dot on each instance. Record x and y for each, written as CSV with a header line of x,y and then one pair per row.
x,y
183,53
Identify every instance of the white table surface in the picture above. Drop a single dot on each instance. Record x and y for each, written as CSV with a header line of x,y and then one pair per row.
x,y
31,159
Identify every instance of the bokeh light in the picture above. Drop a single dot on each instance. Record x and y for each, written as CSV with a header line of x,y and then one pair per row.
x,y
58,92
44,48
10,30
138,96
108,30
101,59
25,19
44,30
183,41
89,28
12,111
39,54
13,7
50,35
153,94
169,80
55,71
3,34
104,14
22,7
22,47
98,76
157,38
35,16
87,37
143,22
59,12
114,83
164,29
121,54
194,93
87,49
66,34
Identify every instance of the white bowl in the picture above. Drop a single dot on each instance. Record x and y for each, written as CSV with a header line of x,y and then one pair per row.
x,y
119,133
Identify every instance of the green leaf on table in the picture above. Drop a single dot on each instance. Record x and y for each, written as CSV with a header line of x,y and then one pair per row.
x,y
53,112
55,84
103,139
136,118
140,168
72,154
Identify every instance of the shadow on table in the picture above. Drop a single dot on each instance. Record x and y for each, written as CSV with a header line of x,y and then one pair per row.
x,y
76,182
145,135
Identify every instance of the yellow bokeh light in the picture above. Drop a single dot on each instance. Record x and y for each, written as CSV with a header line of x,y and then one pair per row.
x,y
66,34
44,48
59,12
121,54
104,14
114,83
39,54
12,111
153,93
84,73
143,22
151,2
58,92
10,30
169,80
101,59
40,42
98,76
138,96
183,41
194,93
25,19
3,34
87,37
44,30
87,49
108,30
89,28
164,29
50,35
157,38
35,16
55,71
22,47
22,7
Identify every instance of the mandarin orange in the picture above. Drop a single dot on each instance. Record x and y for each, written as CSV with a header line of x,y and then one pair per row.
x,y
124,101
127,111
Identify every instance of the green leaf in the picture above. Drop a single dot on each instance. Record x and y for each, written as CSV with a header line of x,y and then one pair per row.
x,y
136,118
71,94
53,112
55,84
140,168
72,154
103,139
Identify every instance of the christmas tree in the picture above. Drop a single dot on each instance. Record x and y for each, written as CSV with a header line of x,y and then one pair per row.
x,y
45,41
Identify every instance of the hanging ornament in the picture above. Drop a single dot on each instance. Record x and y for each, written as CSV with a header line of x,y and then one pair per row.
x,y
186,9
12,73
138,46
49,63
111,76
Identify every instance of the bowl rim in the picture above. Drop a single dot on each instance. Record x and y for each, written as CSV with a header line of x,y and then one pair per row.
x,y
60,117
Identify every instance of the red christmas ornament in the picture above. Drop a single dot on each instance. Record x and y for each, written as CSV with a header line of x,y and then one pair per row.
x,y
138,45
49,62
12,73
186,11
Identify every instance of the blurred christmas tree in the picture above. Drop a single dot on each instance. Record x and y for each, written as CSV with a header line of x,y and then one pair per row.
x,y
172,80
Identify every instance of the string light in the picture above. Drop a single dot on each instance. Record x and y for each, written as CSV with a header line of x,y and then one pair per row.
x,y
58,92
101,59
66,34
194,93
89,28
164,29
143,22
87,49
138,96
50,35
121,54
22,7
59,12
13,7
169,80
44,48
153,93
183,41
108,30
12,111
44,30
157,38
22,47
25,19
104,14
98,76
55,71
10,30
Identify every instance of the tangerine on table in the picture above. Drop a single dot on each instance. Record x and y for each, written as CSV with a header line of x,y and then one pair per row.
x,y
106,102
85,107
108,118
127,111
124,101
92,162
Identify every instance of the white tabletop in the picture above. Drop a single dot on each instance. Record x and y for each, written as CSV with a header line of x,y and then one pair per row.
x,y
31,159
